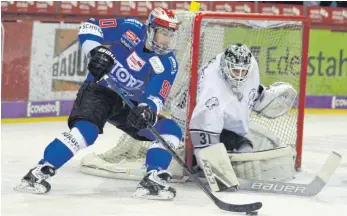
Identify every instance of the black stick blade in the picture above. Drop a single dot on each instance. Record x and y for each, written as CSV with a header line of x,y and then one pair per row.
x,y
239,208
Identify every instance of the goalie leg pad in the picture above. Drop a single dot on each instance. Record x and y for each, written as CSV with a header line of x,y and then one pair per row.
x,y
275,164
215,163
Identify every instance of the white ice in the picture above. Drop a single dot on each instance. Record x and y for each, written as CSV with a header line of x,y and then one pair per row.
x,y
74,193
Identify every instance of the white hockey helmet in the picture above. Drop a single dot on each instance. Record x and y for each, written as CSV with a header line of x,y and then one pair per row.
x,y
162,30
235,64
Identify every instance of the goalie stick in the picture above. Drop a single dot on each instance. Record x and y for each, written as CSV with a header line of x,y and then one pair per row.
x,y
311,189
222,205
296,189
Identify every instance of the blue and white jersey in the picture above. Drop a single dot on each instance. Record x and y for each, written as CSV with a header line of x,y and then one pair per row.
x,y
144,76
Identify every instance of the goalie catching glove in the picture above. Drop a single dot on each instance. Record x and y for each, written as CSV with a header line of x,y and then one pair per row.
x,y
275,100
141,116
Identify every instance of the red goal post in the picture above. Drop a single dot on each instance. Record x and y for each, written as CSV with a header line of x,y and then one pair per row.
x,y
195,66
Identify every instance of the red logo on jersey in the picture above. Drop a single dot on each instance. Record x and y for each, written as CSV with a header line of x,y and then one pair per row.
x,y
132,37
165,89
107,23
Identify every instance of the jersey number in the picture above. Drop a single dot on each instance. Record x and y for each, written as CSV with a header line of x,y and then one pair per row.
x,y
205,138
107,23
165,89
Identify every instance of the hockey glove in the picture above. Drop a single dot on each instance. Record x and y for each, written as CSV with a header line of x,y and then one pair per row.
x,y
101,62
141,116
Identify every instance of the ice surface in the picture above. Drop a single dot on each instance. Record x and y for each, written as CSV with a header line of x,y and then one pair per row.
x,y
74,193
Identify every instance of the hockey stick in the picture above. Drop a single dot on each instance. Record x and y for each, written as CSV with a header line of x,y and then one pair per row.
x,y
311,189
222,205
296,189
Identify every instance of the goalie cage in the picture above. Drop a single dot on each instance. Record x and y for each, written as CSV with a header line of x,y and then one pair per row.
x,y
280,46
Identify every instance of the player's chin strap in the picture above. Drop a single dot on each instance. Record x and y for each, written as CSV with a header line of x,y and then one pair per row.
x,y
222,205
214,161
275,100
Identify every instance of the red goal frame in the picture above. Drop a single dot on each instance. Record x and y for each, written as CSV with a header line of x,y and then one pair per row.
x,y
195,61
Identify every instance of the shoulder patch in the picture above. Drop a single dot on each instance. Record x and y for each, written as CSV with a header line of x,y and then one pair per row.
x,y
107,23
212,102
173,65
90,28
251,98
157,65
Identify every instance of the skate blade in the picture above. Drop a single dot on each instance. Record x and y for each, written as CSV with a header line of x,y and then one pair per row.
x,y
26,187
142,193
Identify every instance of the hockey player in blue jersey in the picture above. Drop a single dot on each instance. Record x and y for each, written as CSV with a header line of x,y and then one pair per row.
x,y
140,60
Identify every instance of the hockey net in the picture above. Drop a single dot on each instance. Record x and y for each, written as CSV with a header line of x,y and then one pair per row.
x,y
277,42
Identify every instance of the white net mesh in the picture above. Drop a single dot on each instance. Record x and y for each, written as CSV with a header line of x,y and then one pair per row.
x,y
277,46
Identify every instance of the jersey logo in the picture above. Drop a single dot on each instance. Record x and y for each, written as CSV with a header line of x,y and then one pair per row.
x,y
90,28
129,39
173,65
251,98
122,75
157,65
212,102
165,89
134,22
135,63
107,23
126,44
132,37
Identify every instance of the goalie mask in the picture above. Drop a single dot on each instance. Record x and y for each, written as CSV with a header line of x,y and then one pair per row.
x,y
235,64
162,31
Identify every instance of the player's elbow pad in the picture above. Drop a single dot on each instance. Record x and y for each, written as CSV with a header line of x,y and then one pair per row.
x,y
90,28
90,36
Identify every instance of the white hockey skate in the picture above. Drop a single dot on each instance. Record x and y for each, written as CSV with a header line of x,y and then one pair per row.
x,y
35,181
155,186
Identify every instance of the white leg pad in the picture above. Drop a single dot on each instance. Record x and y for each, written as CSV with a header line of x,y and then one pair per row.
x,y
215,162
